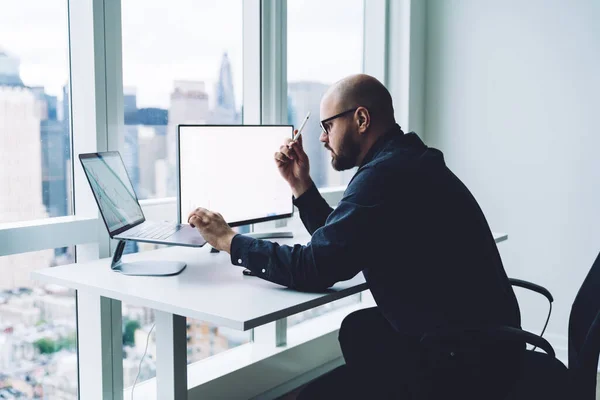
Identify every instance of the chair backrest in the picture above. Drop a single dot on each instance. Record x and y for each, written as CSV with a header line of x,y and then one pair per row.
x,y
584,335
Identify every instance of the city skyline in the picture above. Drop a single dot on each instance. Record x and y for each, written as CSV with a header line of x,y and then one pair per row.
x,y
324,41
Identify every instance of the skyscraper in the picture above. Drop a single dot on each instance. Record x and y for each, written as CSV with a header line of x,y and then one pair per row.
x,y
189,105
21,173
224,111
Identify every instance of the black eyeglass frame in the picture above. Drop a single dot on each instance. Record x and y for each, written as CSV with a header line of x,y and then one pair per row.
x,y
336,116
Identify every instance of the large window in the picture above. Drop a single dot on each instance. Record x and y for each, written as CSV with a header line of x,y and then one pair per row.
x,y
325,44
38,357
182,64
35,176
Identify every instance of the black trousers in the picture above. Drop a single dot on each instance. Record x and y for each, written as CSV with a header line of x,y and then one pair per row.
x,y
383,364
380,363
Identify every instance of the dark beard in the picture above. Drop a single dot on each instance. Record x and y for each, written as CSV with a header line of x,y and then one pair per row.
x,y
346,158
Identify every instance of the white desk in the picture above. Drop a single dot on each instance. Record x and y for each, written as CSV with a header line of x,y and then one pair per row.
x,y
210,289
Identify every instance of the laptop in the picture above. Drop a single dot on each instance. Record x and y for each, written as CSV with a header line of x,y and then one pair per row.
x,y
121,209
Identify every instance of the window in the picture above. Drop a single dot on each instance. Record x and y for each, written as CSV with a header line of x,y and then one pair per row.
x,y
181,64
203,340
35,177
38,354
325,44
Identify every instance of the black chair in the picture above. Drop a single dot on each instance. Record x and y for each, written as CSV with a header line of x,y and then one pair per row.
x,y
456,363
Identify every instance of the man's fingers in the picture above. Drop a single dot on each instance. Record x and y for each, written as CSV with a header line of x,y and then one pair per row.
x,y
287,151
280,157
296,147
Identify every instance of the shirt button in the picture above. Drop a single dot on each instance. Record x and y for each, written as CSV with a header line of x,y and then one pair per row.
x,y
264,270
239,260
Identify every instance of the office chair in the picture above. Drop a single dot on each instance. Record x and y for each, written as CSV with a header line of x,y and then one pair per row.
x,y
457,364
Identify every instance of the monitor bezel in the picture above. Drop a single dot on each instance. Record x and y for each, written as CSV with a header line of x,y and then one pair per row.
x,y
178,172
118,231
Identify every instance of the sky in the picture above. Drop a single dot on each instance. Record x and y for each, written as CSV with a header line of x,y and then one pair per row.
x,y
184,40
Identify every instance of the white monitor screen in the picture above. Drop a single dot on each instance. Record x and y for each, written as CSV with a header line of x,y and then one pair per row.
x,y
231,170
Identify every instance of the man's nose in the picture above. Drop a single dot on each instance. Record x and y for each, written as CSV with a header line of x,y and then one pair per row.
x,y
323,137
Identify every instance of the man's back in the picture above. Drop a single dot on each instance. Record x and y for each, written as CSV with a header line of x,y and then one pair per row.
x,y
438,264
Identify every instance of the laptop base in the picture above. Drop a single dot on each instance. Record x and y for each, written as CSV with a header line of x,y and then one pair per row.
x,y
144,268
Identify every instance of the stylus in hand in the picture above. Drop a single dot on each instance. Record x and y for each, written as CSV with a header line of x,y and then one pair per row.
x,y
301,127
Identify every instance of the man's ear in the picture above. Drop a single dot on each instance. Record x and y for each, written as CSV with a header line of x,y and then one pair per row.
x,y
364,119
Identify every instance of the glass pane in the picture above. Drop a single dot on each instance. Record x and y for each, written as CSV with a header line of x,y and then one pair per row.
x,y
325,44
181,64
35,177
204,340
38,352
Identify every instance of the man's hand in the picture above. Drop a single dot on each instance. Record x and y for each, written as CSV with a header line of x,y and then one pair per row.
x,y
293,165
213,228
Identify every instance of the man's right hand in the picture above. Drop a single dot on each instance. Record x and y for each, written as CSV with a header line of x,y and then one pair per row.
x,y
293,165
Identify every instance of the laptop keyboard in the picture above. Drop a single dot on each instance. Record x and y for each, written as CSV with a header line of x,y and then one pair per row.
x,y
157,231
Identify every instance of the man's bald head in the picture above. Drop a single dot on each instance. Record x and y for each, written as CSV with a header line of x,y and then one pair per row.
x,y
362,90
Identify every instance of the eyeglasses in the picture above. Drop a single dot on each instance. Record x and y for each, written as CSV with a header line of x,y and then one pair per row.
x,y
322,123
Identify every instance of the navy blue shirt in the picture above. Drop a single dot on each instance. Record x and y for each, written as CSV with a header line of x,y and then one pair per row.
x,y
413,229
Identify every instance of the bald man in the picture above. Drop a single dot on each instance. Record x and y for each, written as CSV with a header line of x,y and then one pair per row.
x,y
405,220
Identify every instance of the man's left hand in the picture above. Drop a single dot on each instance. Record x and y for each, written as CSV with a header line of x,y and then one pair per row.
x,y
213,228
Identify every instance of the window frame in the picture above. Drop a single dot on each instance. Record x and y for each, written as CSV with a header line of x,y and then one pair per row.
x,y
96,109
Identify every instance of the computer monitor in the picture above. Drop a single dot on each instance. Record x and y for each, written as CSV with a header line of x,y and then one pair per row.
x,y
230,169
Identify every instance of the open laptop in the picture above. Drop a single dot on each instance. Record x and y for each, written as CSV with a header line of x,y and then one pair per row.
x,y
121,209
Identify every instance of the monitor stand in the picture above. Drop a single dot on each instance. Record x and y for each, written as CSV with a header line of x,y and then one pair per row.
x,y
146,268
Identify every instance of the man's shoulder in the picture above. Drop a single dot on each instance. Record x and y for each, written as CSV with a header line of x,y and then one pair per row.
x,y
406,153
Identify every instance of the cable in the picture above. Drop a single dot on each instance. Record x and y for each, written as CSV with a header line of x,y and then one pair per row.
x,y
545,325
140,367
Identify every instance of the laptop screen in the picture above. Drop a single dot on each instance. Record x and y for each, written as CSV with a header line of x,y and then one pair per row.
x,y
112,189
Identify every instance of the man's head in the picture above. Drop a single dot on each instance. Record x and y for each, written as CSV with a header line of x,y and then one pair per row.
x,y
355,112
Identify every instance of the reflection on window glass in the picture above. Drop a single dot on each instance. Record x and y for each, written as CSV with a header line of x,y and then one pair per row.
x,y
35,177
182,64
38,343
325,44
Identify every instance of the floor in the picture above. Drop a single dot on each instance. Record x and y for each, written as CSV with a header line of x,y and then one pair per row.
x,y
292,395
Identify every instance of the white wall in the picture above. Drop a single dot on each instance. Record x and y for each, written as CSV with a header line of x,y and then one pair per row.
x,y
513,99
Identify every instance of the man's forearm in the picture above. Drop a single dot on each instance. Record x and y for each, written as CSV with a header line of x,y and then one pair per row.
x,y
314,210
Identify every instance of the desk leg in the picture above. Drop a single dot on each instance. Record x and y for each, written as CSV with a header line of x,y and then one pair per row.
x,y
274,333
171,356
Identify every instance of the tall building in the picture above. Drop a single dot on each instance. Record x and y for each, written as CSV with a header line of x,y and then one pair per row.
x,y
21,196
224,111
56,156
130,152
189,105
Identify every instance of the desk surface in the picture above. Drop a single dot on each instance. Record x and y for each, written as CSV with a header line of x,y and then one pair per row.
x,y
210,288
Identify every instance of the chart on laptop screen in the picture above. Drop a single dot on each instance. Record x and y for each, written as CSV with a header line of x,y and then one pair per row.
x,y
231,170
113,190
